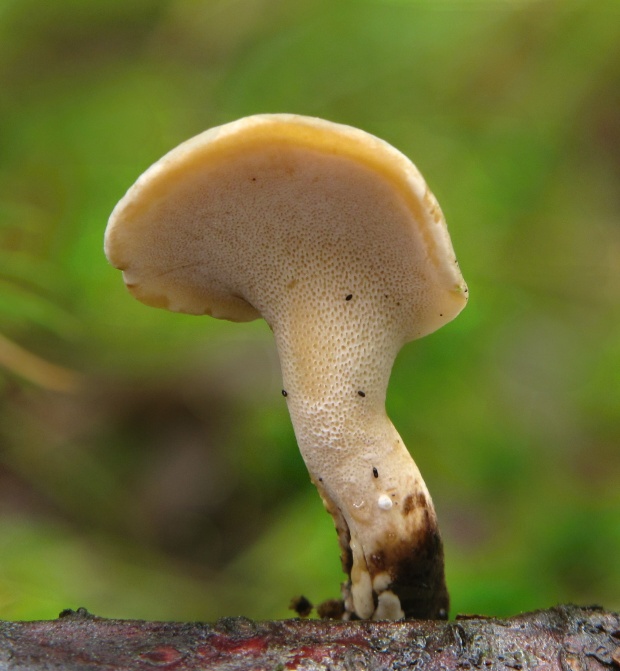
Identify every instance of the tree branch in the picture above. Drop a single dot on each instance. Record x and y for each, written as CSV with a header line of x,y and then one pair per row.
x,y
566,638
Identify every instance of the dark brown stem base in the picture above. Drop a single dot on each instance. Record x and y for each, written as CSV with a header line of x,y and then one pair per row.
x,y
566,638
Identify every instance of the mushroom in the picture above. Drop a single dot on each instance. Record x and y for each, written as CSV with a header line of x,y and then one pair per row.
x,y
332,236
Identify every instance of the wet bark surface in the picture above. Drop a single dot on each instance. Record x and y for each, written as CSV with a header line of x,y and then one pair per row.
x,y
566,638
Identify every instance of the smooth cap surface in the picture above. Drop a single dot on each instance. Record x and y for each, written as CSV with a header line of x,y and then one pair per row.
x,y
229,222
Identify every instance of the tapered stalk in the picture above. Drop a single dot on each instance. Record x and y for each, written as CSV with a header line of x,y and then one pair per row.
x,y
335,382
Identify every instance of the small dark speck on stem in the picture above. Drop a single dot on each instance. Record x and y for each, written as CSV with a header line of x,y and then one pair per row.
x,y
348,297
375,472
284,392
361,393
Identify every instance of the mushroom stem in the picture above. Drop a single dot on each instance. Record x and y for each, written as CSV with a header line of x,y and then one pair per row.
x,y
387,528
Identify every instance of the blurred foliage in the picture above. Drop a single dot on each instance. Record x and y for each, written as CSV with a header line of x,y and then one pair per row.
x,y
159,478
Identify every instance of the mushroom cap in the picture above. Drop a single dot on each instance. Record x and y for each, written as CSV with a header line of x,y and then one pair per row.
x,y
231,220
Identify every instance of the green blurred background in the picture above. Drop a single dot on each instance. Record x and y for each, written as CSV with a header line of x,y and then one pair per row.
x,y
155,474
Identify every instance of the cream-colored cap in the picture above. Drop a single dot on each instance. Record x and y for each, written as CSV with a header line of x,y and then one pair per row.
x,y
228,219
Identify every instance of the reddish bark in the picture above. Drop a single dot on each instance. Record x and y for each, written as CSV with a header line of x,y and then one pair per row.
x,y
566,638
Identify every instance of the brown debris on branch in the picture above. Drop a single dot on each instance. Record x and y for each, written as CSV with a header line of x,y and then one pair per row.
x,y
566,638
